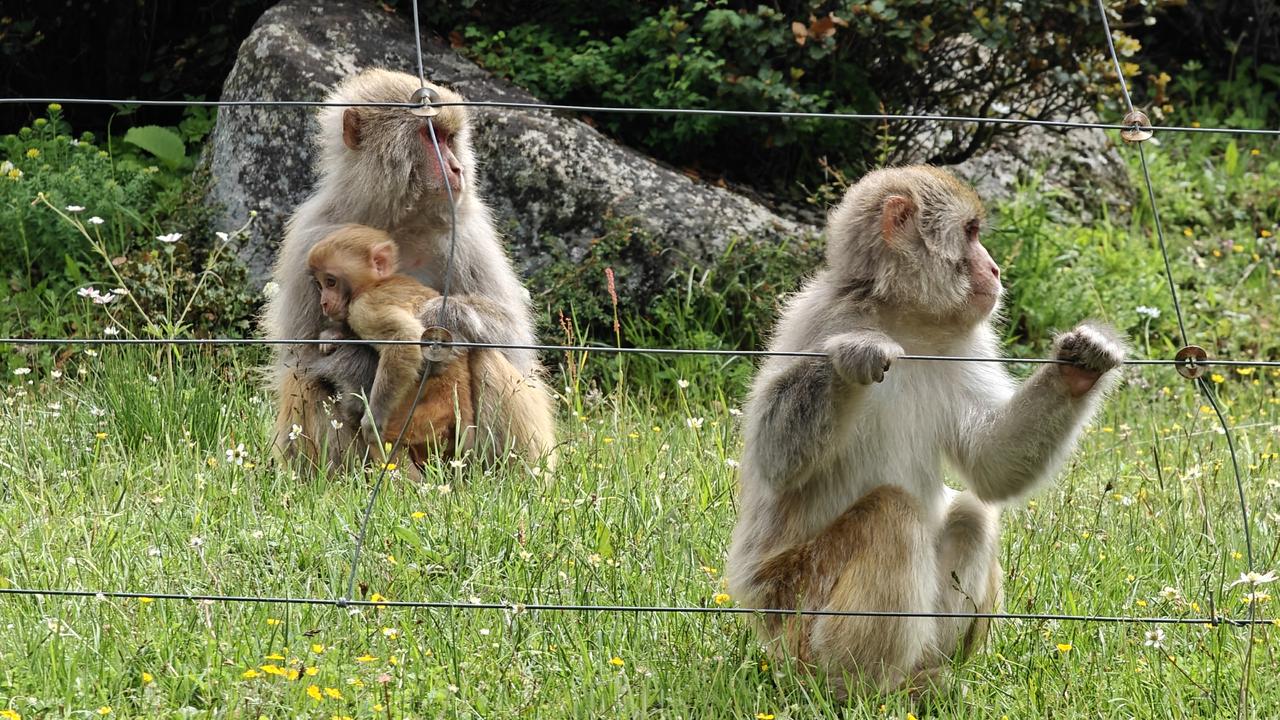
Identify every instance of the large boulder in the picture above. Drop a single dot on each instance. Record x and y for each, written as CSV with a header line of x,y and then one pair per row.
x,y
555,183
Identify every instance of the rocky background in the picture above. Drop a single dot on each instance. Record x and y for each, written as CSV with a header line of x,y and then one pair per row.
x,y
557,185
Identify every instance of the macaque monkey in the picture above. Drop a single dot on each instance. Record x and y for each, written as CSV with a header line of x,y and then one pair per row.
x,y
389,169
355,271
842,504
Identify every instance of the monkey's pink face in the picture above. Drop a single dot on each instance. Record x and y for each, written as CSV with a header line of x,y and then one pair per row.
x,y
443,167
984,274
334,296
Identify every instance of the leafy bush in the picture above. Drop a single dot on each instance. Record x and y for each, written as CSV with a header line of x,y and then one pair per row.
x,y
896,56
87,214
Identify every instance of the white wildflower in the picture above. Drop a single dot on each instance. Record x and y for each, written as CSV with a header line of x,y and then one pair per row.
x,y
1148,312
337,425
170,238
1154,638
237,454
1251,578
223,236
95,220
294,432
22,371
694,423
730,463
271,289
111,330
682,383
75,208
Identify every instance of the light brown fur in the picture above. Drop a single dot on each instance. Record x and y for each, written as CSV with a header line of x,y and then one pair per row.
x,y
843,505
378,303
378,167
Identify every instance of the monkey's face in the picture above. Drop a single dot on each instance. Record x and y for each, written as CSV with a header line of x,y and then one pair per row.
x,y
335,294
956,280
414,158
439,160
979,272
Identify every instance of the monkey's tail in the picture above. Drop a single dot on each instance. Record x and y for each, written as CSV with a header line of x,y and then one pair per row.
x,y
513,411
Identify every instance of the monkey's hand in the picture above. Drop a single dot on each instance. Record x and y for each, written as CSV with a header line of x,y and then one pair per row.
x,y
1092,349
330,333
862,357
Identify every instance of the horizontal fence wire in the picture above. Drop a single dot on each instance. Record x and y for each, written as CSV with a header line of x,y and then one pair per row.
x,y
670,609
610,349
602,109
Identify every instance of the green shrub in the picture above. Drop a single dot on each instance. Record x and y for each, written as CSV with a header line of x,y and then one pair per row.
x,y
896,56
81,214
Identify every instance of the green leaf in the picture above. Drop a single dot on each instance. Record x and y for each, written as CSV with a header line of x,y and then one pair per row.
x,y
1232,160
409,537
164,143
604,545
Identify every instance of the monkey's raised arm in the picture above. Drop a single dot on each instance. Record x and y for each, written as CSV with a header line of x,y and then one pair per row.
x,y
1024,441
798,410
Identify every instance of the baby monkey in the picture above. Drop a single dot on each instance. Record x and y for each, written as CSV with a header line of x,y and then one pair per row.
x,y
355,269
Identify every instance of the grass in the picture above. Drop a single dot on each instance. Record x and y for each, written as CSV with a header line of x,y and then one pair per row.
x,y
116,476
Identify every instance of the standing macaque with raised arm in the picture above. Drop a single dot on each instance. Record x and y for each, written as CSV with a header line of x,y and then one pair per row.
x,y
396,171
842,501
355,272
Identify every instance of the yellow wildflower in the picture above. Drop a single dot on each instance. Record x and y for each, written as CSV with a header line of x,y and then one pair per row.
x,y
272,622
366,658
1217,378
333,693
764,716
10,715
104,710
312,671
33,153
271,669
314,692
145,600
250,674
721,598
317,648
148,678
617,661
1064,647
418,515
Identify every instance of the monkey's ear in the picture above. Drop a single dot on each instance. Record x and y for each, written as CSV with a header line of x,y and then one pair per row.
x,y
898,210
383,256
351,128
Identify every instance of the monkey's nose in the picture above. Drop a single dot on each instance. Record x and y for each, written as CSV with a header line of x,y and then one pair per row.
x,y
995,270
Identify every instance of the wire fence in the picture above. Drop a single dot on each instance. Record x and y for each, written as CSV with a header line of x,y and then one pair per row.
x,y
344,597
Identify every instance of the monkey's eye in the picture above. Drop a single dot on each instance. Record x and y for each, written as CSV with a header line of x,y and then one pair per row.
x,y
971,229
330,282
